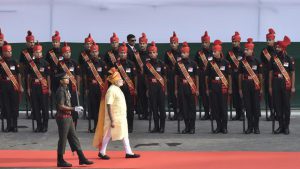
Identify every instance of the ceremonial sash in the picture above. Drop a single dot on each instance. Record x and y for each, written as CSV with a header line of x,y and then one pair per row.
x,y
112,57
220,74
156,75
126,78
139,60
69,73
94,71
285,74
188,77
203,58
38,74
234,59
267,54
171,57
53,57
9,74
252,74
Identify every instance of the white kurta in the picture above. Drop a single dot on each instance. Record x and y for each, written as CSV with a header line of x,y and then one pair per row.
x,y
116,99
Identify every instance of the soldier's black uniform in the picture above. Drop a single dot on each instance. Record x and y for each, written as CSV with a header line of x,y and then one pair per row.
x,y
9,96
186,97
218,94
266,69
130,70
236,98
281,94
202,88
251,94
172,100
53,67
81,61
75,70
108,60
40,99
142,103
94,90
156,94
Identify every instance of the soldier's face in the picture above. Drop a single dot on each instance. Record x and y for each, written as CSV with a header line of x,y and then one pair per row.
x,y
123,55
143,46
38,54
132,41
270,42
87,45
185,55
153,54
95,53
67,55
1,42
236,43
217,54
7,54
174,45
65,80
206,45
114,45
278,48
30,44
56,44
248,52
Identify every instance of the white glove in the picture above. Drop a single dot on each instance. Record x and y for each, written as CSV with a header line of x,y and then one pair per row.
x,y
79,109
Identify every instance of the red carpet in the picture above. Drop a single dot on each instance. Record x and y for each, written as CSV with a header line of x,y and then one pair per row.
x,y
159,159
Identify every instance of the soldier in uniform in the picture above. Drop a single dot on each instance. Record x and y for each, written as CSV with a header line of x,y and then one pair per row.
x,y
88,42
234,56
155,72
69,66
171,57
95,67
52,57
10,86
266,55
250,88
39,88
218,81
202,58
141,56
282,84
186,88
112,55
131,46
66,129
128,71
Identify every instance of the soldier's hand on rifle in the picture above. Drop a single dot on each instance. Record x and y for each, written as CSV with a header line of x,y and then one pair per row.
x,y
241,93
229,91
147,93
78,109
197,93
293,90
21,89
176,93
86,92
28,92
270,91
49,91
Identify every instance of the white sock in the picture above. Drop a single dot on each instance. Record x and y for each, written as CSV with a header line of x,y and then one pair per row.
x,y
126,145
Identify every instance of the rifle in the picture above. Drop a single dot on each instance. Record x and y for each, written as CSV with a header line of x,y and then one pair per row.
x,y
230,104
150,115
2,120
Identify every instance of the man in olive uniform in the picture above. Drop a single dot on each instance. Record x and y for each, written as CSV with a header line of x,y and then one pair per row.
x,y
187,88
140,58
39,88
155,72
266,55
10,86
94,89
171,57
218,80
69,66
52,57
202,58
66,129
131,46
282,84
112,55
250,86
128,72
234,56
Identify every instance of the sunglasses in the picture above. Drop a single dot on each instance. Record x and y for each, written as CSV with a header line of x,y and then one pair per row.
x,y
132,40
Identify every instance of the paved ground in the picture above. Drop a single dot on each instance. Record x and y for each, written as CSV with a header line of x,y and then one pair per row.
x,y
140,139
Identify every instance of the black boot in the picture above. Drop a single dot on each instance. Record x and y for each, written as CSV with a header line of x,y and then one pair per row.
x,y
45,126
279,130
82,159
250,127
162,126
156,127
61,162
15,125
206,116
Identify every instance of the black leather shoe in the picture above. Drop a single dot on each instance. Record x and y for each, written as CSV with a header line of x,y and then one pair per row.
x,y
63,164
205,117
132,156
279,130
155,130
185,131
162,130
249,131
256,131
286,131
103,157
192,131
224,131
218,130
85,162
15,130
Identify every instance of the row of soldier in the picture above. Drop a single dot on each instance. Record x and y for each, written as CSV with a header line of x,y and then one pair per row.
x,y
209,75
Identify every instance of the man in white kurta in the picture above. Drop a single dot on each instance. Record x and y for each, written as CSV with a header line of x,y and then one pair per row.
x,y
115,122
